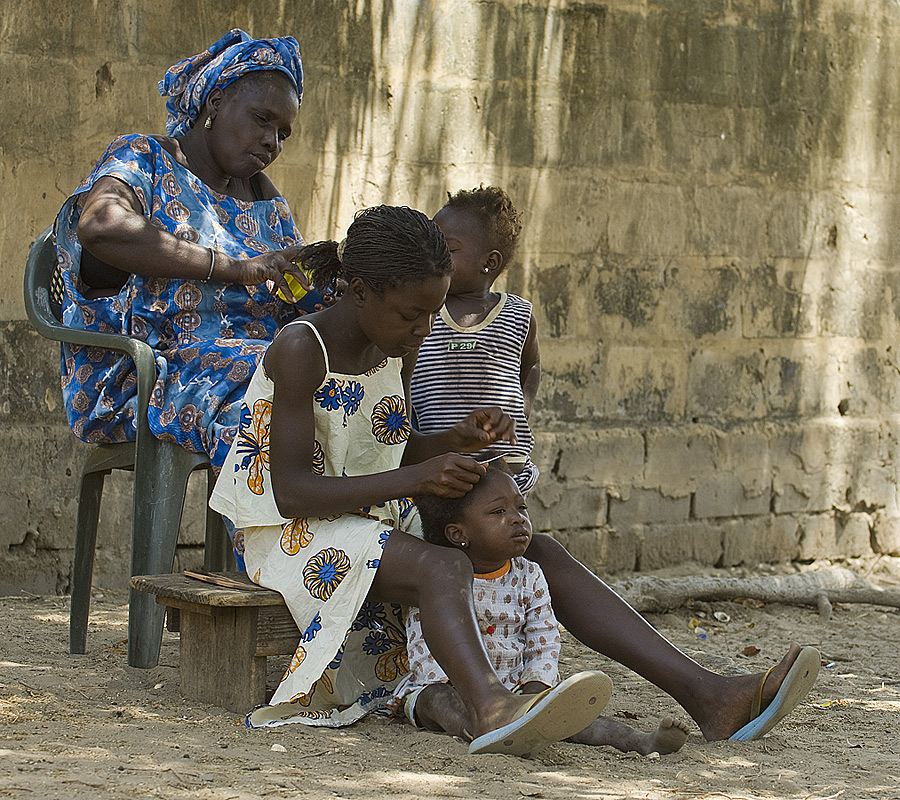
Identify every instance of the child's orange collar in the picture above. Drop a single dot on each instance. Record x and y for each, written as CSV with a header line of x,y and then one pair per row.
x,y
497,573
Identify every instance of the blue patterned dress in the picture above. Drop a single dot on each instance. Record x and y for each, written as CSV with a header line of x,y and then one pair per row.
x,y
352,652
207,336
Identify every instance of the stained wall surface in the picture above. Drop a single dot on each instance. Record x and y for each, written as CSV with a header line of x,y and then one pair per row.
x,y
710,243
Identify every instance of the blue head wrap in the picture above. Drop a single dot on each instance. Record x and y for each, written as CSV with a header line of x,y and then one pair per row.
x,y
189,82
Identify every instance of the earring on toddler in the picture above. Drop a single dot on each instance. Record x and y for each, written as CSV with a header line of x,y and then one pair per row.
x,y
485,270
208,123
463,544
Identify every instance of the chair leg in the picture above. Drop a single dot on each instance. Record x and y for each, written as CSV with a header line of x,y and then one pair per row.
x,y
83,567
160,482
218,553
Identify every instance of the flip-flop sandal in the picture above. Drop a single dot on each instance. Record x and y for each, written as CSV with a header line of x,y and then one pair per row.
x,y
551,716
795,686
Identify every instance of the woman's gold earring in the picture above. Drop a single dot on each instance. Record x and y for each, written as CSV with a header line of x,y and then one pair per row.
x,y
208,123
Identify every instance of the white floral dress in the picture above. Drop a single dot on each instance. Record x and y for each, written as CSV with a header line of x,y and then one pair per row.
x,y
352,652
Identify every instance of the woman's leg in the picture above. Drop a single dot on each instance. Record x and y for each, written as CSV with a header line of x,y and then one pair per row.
x,y
438,581
598,617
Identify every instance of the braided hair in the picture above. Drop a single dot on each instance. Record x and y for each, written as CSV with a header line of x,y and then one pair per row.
x,y
499,219
386,246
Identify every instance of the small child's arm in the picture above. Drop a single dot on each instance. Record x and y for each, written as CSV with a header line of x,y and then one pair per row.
x,y
541,633
530,369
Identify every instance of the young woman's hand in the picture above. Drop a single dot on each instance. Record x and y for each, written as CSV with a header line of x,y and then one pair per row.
x,y
449,475
481,428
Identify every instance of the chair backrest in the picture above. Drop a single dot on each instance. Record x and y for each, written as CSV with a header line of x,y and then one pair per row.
x,y
43,286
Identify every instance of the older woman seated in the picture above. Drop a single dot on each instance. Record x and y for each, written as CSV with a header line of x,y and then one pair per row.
x,y
182,241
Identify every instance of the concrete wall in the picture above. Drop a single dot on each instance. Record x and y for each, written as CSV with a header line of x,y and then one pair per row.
x,y
710,243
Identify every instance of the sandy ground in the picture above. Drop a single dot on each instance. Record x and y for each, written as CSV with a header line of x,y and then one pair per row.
x,y
79,727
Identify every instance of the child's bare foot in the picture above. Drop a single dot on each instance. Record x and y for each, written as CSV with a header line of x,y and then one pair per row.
x,y
732,711
669,737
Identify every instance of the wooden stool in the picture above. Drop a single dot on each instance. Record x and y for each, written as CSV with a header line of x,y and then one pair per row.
x,y
226,633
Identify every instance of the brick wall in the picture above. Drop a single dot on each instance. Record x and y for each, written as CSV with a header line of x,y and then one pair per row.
x,y
711,231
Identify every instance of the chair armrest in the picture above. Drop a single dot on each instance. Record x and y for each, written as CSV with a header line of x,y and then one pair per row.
x,y
40,313
140,352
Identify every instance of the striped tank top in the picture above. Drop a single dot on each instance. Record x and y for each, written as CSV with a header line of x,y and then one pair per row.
x,y
461,369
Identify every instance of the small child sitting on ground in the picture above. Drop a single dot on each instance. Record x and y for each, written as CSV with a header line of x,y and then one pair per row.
x,y
491,526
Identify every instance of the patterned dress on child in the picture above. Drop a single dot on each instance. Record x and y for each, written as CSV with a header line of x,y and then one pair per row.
x,y
519,628
352,652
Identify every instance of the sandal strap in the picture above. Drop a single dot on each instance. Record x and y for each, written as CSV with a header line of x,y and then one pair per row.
x,y
756,705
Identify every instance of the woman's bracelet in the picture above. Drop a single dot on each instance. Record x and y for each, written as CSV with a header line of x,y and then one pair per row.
x,y
212,263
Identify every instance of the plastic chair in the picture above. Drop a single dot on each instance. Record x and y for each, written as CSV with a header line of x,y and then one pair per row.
x,y
161,472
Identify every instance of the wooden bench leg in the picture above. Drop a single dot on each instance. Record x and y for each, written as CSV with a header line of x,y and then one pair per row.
x,y
218,661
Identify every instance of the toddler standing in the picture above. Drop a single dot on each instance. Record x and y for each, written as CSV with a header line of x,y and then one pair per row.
x,y
483,349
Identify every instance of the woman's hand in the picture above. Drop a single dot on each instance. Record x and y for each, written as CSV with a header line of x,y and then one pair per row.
x,y
481,428
271,266
449,475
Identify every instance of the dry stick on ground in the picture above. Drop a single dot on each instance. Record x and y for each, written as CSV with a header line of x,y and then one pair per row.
x,y
820,589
